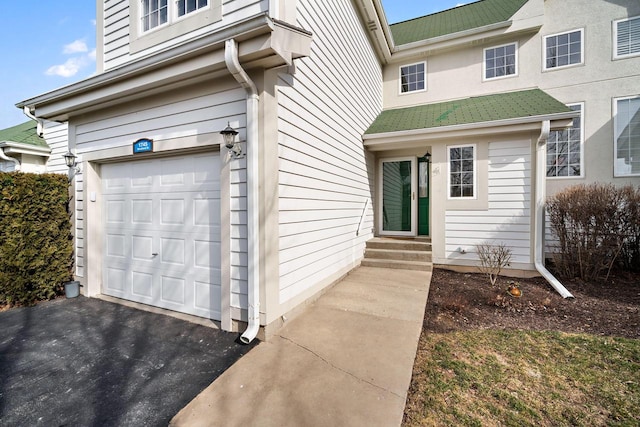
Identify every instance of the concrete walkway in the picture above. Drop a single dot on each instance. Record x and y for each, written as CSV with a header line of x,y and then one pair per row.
x,y
345,361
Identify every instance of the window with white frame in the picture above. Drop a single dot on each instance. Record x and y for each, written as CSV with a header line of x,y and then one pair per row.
x,y
627,136
500,61
626,37
155,13
563,50
462,171
413,77
188,6
564,148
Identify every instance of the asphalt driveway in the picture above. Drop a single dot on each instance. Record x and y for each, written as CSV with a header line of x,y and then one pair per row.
x,y
87,362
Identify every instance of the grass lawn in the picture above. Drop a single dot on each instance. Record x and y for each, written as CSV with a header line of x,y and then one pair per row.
x,y
521,378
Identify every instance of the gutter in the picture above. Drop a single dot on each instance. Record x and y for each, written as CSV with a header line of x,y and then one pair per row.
x,y
541,157
253,220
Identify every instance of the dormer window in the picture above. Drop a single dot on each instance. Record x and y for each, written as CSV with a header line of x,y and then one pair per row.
x,y
413,78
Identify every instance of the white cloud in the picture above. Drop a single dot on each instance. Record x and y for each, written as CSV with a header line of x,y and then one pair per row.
x,y
69,69
76,46
93,22
92,55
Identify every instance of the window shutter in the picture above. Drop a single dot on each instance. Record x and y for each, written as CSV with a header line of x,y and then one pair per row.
x,y
628,41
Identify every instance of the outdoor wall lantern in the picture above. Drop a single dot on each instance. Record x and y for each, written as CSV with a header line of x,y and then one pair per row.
x,y
70,160
427,157
229,135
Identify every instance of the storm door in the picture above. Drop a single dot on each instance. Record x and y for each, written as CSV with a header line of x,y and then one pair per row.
x,y
398,197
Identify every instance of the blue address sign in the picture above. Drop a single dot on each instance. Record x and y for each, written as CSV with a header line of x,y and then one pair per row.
x,y
143,145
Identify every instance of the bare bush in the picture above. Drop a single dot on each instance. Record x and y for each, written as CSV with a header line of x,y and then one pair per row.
x,y
593,226
630,254
493,258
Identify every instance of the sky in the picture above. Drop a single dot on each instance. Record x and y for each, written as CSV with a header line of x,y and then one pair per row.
x,y
47,44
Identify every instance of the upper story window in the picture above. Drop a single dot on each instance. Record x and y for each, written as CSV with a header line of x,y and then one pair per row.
x,y
413,77
626,37
562,50
155,13
500,61
564,148
188,6
462,171
627,136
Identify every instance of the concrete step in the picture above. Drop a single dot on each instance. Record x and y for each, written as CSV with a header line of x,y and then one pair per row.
x,y
399,244
397,264
398,254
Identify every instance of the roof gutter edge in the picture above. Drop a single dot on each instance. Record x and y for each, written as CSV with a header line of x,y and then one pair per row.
x,y
150,61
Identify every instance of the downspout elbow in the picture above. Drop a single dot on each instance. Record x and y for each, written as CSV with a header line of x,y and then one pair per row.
x,y
40,126
3,156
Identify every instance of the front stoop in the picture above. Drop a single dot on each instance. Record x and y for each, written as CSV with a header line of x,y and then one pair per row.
x,y
398,253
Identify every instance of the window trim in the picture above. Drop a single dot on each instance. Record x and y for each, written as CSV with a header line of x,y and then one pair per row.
x,y
175,27
484,62
615,38
475,172
400,92
582,175
561,67
617,174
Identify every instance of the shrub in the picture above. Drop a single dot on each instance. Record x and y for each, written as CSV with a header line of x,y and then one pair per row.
x,y
630,255
493,258
36,246
593,225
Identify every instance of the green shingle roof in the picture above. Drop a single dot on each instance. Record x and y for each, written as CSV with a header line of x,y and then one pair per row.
x,y
461,18
488,108
25,133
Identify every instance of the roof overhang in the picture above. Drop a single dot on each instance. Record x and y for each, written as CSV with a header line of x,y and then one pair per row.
x,y
263,42
375,21
10,147
416,137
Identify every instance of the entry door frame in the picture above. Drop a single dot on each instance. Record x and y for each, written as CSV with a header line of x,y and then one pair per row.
x,y
414,200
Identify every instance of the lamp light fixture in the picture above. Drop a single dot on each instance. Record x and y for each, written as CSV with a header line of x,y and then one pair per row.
x,y
229,136
427,157
70,161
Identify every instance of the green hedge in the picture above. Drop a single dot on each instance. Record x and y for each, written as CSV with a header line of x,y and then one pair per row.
x,y
36,245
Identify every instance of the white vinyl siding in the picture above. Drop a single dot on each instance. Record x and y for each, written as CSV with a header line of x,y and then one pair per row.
x,y
117,29
57,137
508,217
326,176
626,37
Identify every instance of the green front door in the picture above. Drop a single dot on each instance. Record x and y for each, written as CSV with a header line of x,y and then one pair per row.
x,y
423,196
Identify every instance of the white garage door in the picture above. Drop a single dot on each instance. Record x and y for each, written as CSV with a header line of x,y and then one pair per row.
x,y
162,233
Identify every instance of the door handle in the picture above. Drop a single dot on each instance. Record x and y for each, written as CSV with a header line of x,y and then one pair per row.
x,y
413,195
154,254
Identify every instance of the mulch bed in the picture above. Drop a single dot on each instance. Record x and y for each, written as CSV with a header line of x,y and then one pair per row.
x,y
462,301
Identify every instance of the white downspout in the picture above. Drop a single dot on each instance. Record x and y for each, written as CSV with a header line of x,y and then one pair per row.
x,y
10,159
40,126
541,195
253,219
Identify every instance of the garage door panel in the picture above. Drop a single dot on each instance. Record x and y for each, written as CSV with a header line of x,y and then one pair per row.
x,y
169,207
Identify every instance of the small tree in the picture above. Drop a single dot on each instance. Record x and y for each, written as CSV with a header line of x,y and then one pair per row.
x,y
493,258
